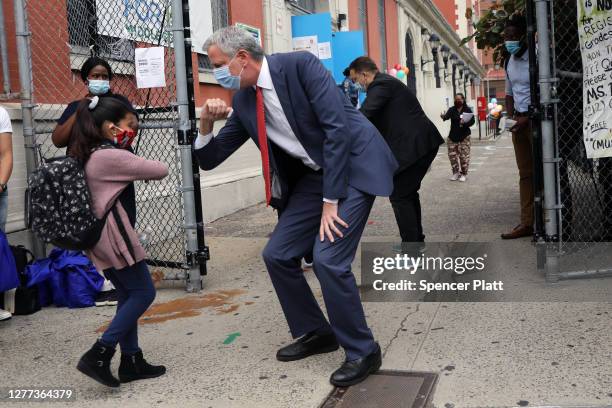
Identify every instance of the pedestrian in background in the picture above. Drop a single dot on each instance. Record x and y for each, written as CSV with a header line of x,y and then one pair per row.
x,y
458,140
350,89
6,168
518,98
6,162
414,140
102,125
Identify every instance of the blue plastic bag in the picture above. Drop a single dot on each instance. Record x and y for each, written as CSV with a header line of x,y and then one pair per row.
x,y
66,278
8,270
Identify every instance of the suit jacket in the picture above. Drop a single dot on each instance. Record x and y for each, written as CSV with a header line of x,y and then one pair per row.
x,y
335,135
397,114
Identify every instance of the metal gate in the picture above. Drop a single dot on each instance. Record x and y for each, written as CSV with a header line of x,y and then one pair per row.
x,y
55,37
577,191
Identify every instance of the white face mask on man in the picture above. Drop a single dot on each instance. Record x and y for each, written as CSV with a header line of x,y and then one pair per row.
x,y
225,78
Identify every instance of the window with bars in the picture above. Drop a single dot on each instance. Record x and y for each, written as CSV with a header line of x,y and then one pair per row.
x,y
220,19
363,22
436,68
383,33
220,16
83,34
308,5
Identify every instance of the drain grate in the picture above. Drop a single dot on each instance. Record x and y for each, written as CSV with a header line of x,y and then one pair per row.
x,y
386,389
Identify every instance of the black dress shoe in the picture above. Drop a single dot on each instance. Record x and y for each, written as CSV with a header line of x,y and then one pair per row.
x,y
355,371
308,345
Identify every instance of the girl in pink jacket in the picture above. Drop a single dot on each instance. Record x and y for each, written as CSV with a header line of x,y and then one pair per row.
x,y
99,136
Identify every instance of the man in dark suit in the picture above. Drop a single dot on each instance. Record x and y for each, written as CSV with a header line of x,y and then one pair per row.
x,y
412,137
323,164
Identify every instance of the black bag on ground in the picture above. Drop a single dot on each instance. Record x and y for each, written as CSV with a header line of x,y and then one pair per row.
x,y
22,300
59,205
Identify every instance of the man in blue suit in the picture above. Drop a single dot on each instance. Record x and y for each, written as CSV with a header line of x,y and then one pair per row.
x,y
323,164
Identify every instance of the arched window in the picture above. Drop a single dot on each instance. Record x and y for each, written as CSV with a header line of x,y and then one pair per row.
x,y
363,23
410,63
436,67
383,34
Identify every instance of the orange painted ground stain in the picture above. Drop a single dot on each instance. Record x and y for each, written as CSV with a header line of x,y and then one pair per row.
x,y
189,306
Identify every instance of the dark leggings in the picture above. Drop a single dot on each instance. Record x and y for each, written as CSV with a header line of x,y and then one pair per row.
x,y
135,293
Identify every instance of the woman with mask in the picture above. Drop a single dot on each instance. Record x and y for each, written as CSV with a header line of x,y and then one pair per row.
x,y
96,74
458,141
101,130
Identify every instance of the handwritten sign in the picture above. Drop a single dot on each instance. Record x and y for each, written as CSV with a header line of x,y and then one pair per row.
x,y
136,20
595,30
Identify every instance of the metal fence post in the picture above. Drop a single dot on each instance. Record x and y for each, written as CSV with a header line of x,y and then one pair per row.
x,y
27,105
534,113
194,280
549,161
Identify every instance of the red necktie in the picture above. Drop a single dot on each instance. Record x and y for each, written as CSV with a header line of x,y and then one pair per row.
x,y
263,143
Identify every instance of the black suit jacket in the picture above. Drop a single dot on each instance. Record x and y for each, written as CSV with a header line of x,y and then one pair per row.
x,y
399,117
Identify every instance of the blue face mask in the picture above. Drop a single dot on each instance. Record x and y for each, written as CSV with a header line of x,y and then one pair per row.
x,y
225,78
98,86
513,46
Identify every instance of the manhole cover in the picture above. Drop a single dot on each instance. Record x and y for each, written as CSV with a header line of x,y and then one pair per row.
x,y
392,389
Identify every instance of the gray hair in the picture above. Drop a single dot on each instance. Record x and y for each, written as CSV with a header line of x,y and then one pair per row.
x,y
232,39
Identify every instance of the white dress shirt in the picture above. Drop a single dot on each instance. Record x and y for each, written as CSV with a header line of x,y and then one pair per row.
x,y
278,128
517,82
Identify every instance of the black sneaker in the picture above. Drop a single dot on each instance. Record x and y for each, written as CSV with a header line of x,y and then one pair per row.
x,y
108,298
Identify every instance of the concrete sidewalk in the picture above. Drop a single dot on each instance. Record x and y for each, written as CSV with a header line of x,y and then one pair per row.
x,y
219,346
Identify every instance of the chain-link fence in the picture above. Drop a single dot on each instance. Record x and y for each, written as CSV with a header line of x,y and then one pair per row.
x,y
63,35
581,211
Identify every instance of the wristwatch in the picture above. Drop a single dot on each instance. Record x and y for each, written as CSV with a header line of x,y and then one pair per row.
x,y
3,188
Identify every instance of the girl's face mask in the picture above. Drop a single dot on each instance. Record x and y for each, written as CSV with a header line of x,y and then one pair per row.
x,y
124,137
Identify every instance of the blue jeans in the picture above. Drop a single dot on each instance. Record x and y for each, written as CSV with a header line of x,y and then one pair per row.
x,y
135,293
3,209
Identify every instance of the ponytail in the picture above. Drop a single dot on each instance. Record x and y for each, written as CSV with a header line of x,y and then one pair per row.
x,y
86,133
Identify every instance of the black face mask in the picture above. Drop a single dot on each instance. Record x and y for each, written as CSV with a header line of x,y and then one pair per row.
x,y
458,104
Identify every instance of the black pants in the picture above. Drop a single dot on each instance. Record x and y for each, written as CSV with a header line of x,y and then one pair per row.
x,y
405,198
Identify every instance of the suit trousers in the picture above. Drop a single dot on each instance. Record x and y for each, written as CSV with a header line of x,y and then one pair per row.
x,y
405,198
523,151
295,235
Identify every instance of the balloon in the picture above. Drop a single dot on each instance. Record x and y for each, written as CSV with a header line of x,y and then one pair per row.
x,y
393,71
401,74
491,105
494,100
499,108
406,70
397,67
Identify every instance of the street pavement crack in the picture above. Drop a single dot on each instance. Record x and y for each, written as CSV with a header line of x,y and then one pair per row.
x,y
397,332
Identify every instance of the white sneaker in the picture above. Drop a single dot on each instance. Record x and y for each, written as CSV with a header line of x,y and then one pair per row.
x,y
455,177
462,178
306,265
4,315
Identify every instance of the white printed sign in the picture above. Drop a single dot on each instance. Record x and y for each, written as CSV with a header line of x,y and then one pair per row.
x,y
308,43
150,67
325,50
595,28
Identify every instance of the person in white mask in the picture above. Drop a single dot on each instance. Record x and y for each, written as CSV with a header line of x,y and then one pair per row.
x,y
96,74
